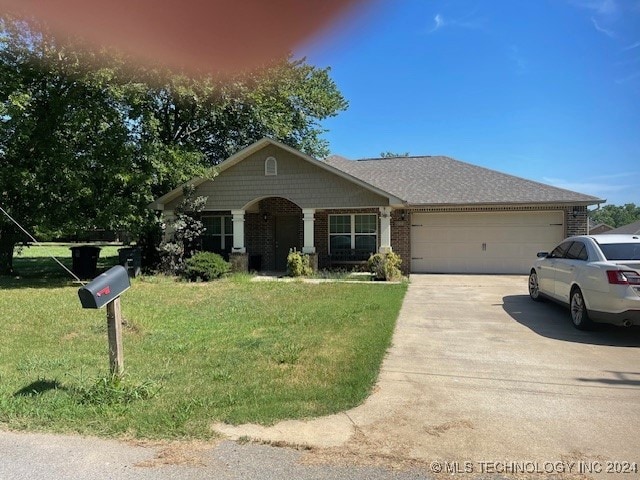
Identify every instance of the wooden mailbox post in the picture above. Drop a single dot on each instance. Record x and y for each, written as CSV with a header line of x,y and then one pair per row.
x,y
104,290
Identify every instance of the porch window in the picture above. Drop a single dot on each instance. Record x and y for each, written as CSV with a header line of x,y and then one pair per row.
x,y
218,236
353,232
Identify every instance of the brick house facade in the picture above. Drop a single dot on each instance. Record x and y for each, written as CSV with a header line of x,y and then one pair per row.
x,y
277,199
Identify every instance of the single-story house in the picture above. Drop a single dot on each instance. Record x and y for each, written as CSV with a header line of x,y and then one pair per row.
x,y
598,228
629,229
439,214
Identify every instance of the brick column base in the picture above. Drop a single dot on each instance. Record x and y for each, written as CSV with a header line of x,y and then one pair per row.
x,y
239,262
313,261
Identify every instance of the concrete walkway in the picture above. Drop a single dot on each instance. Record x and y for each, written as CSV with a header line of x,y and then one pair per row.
x,y
477,372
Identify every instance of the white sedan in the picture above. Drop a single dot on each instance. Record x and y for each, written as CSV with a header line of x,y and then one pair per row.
x,y
596,276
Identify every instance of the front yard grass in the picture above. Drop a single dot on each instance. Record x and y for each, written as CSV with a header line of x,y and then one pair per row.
x,y
233,351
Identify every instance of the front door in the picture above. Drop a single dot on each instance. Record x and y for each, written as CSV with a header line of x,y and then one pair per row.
x,y
287,237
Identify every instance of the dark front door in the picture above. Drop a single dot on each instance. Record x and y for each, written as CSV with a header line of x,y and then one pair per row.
x,y
287,237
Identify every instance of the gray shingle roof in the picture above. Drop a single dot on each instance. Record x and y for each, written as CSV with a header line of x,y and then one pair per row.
x,y
631,229
442,180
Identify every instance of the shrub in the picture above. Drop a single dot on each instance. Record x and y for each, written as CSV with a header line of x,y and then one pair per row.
x,y
187,229
298,264
205,266
384,266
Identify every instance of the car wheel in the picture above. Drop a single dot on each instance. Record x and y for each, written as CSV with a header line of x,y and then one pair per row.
x,y
579,314
534,287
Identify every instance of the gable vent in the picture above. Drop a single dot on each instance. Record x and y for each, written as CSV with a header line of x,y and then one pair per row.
x,y
270,166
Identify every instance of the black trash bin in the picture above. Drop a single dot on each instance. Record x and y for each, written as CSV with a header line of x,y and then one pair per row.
x,y
131,259
85,260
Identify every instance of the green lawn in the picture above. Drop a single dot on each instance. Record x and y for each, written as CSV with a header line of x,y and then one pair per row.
x,y
232,350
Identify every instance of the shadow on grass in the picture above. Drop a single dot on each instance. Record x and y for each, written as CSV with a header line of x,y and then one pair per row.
x,y
44,272
38,387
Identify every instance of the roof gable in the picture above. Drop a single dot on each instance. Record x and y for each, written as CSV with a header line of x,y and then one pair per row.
x,y
256,147
439,180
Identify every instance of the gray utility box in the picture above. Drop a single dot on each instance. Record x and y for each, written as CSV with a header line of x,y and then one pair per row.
x,y
104,288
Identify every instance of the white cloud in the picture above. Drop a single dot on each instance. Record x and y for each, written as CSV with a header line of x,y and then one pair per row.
x,y
602,186
593,188
601,7
616,175
631,47
438,21
609,33
470,21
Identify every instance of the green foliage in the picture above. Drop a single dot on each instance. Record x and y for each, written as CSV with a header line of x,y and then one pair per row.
x,y
187,229
115,390
616,215
384,266
298,264
89,139
393,154
206,266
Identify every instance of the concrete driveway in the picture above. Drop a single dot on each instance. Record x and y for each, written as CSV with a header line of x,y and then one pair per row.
x,y
479,373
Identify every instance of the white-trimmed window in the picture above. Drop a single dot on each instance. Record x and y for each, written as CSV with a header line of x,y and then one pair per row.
x,y
270,166
218,235
357,231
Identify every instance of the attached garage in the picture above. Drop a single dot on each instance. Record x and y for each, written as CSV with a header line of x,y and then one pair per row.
x,y
482,242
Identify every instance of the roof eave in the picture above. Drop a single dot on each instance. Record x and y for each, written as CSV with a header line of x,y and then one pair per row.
x,y
159,203
562,203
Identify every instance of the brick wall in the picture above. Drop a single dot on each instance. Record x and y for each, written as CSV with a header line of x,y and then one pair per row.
x,y
401,238
260,234
577,225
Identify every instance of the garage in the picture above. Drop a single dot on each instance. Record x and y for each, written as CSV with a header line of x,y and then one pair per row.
x,y
482,242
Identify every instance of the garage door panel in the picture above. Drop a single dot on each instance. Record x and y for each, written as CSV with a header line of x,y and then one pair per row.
x,y
496,242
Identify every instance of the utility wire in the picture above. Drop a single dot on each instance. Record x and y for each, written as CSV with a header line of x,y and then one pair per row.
x,y
38,243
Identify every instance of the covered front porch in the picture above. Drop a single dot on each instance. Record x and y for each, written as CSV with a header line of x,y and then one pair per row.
x,y
260,236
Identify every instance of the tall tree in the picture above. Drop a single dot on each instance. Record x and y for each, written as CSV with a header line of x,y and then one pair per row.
x,y
67,157
87,141
616,215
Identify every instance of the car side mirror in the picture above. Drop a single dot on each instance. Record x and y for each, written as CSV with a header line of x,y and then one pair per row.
x,y
542,254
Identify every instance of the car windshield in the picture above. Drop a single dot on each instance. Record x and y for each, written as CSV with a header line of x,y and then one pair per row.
x,y
621,251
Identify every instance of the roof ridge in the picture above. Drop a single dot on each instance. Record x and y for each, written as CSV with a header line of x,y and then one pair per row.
x,y
399,157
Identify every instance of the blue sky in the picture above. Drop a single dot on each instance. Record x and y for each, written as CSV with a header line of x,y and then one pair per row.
x,y
543,89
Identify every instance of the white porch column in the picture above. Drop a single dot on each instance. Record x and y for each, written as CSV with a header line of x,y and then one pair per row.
x,y
385,230
308,217
238,231
168,217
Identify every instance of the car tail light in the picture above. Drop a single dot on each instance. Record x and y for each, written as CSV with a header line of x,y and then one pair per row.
x,y
623,277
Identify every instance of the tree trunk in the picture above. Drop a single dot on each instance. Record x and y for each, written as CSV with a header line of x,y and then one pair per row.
x,y
8,240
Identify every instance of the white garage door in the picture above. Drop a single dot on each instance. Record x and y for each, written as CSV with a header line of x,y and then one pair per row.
x,y
501,242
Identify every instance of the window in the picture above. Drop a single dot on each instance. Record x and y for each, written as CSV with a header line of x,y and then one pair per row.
x,y
560,250
577,251
218,235
621,251
356,231
270,166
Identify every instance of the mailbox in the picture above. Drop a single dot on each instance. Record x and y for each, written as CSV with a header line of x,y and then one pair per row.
x,y
104,288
